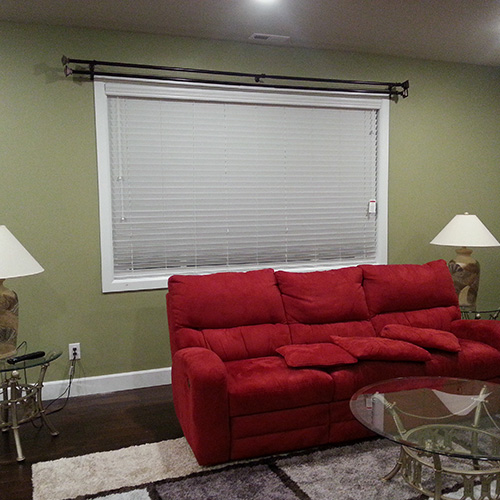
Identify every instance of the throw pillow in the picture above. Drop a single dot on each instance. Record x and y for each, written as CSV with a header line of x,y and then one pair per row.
x,y
382,349
423,337
309,355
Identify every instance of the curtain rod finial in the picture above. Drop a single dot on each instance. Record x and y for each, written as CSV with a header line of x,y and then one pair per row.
x,y
67,70
406,86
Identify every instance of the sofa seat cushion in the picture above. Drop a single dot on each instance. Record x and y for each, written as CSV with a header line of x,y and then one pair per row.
x,y
485,330
353,377
428,338
474,361
259,385
310,355
378,348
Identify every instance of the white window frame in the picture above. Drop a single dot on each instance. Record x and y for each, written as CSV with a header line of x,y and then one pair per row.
x,y
105,86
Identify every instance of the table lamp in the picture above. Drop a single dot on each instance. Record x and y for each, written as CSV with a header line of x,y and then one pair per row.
x,y
465,230
15,261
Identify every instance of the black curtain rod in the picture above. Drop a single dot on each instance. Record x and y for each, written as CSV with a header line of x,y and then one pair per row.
x,y
391,89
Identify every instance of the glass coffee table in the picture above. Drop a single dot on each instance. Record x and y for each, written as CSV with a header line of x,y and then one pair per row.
x,y
448,429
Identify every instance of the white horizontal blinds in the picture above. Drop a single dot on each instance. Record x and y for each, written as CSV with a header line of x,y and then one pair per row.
x,y
331,175
153,190
200,185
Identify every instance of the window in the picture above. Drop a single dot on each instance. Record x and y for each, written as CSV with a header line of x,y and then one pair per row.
x,y
203,178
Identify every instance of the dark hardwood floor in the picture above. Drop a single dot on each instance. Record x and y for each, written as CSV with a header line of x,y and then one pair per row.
x,y
88,424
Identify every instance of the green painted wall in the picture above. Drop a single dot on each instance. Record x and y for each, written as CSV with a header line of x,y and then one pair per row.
x,y
444,159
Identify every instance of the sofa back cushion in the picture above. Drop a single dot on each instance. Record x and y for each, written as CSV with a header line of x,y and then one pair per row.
x,y
237,315
416,295
323,303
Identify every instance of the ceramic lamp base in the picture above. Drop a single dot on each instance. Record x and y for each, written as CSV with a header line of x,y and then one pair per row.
x,y
9,320
465,271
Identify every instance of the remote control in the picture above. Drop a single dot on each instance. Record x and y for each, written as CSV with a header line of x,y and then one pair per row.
x,y
24,357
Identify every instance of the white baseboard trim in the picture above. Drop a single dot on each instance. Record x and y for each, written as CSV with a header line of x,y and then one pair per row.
x,y
86,386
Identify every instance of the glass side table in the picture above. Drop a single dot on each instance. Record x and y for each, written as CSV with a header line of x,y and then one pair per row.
x,y
480,314
22,401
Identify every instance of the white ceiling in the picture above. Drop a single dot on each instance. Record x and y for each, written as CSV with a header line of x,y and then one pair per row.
x,y
448,30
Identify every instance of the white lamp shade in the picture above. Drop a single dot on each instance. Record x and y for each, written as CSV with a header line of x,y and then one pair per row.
x,y
15,260
465,230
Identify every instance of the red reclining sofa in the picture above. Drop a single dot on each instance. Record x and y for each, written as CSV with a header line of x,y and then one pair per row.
x,y
266,361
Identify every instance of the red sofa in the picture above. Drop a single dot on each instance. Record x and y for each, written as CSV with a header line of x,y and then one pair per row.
x,y
266,362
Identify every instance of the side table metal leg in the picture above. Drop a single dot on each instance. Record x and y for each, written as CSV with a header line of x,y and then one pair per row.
x,y
14,396
17,439
5,407
22,401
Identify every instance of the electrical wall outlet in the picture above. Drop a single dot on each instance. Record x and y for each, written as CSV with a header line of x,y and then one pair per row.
x,y
74,351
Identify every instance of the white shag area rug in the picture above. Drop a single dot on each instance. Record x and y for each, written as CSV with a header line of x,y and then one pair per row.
x,y
111,470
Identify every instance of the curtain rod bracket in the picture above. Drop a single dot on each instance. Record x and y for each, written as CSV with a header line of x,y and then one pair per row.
x,y
88,67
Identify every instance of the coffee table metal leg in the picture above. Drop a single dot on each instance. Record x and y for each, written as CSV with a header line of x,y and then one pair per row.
x,y
438,476
396,468
410,464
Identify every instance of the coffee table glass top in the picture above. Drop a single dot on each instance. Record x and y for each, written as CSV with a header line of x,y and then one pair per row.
x,y
448,416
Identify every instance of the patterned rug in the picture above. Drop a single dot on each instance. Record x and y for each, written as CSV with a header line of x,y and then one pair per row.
x,y
168,471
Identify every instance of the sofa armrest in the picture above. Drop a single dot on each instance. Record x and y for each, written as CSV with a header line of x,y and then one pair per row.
x,y
199,386
482,330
